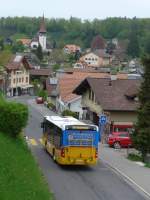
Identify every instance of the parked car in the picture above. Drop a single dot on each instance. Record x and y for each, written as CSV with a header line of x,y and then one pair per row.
x,y
39,100
119,139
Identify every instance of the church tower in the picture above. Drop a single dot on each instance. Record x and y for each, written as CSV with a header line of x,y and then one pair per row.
x,y
42,34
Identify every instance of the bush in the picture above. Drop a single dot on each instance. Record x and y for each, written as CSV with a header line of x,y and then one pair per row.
x,y
43,93
69,113
134,157
13,117
50,105
1,96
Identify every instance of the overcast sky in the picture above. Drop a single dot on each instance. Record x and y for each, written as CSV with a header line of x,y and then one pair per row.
x,y
84,9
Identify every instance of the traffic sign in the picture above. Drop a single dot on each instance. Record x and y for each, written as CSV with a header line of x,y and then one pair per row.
x,y
102,119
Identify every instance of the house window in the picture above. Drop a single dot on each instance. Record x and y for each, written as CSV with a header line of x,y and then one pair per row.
x,y
22,79
14,80
19,80
26,79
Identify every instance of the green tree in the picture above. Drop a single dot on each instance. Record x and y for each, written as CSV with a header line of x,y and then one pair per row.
x,y
43,93
18,47
133,48
1,44
146,43
69,113
39,52
141,136
58,56
77,55
110,47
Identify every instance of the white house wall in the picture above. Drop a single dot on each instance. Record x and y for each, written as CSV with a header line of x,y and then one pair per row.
x,y
42,41
19,78
75,106
34,44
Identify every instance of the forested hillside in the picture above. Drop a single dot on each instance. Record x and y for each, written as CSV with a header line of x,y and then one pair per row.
x,y
80,32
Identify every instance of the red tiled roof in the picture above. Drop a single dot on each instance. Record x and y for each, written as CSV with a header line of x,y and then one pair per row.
x,y
40,72
72,47
69,82
16,61
24,41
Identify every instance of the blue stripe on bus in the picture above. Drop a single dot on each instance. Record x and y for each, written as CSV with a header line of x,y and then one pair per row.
x,y
79,138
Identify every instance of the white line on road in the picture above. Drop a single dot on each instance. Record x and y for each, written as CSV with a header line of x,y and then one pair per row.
x,y
127,177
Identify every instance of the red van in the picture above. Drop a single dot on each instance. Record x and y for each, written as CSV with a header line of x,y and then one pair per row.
x,y
39,100
120,135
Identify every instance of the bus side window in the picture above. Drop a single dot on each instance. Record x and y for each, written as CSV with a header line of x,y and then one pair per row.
x,y
43,125
50,133
57,137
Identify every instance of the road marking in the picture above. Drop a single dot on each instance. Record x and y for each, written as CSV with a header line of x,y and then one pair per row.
x,y
33,142
41,141
140,163
127,178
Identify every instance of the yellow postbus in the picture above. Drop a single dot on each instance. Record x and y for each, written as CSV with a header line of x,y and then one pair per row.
x,y
70,141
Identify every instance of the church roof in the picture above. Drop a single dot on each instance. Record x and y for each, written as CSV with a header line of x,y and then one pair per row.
x,y
42,26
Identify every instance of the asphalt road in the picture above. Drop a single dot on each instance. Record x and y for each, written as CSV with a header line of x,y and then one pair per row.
x,y
75,182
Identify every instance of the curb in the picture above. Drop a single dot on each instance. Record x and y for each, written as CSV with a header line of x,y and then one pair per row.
x,y
127,178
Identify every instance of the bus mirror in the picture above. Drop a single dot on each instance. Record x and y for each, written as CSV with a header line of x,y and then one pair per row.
x,y
42,124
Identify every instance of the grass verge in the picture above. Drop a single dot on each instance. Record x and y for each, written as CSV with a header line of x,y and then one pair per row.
x,y
20,177
147,165
134,157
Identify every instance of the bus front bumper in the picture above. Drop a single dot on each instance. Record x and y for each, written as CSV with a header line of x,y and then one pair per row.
x,y
77,161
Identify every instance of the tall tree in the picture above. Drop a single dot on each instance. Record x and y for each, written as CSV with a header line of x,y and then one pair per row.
x,y
18,47
39,52
1,44
133,48
141,136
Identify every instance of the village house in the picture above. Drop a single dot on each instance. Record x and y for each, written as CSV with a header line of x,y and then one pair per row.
x,y
66,84
97,58
71,48
116,97
80,65
25,42
51,88
18,81
60,88
41,73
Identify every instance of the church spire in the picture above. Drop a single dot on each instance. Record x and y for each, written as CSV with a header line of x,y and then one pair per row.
x,y
42,26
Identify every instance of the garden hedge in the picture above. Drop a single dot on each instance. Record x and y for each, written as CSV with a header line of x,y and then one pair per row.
x,y
13,117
